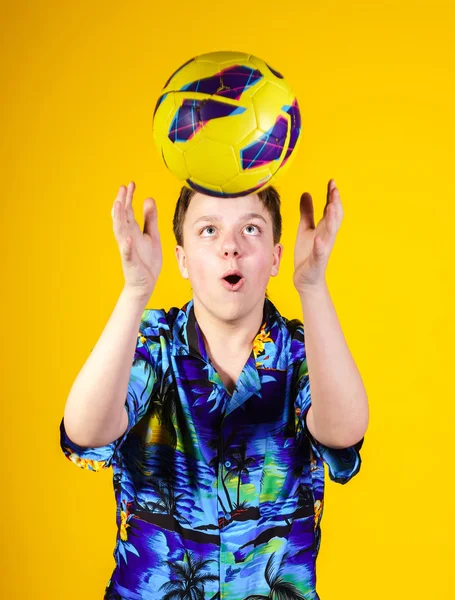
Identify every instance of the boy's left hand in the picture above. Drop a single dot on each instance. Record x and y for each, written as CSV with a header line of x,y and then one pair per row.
x,y
314,244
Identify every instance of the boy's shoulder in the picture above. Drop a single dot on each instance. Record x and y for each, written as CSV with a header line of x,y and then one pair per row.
x,y
294,327
294,332
287,334
156,322
156,317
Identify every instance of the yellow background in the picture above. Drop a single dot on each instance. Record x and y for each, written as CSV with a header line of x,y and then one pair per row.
x,y
375,83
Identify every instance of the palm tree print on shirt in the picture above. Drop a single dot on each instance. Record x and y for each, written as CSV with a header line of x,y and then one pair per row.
x,y
190,579
239,467
166,504
279,588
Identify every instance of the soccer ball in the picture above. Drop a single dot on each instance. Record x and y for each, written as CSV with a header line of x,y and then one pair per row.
x,y
226,124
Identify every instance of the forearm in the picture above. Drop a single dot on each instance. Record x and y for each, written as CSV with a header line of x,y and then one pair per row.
x,y
95,409
339,401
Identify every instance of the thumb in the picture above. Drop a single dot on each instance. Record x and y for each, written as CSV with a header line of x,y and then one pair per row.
x,y
127,249
318,247
150,217
306,211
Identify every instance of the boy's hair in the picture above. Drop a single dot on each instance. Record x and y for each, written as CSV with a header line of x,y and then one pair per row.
x,y
270,197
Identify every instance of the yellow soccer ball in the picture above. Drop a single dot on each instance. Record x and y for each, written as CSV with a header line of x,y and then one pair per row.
x,y
226,124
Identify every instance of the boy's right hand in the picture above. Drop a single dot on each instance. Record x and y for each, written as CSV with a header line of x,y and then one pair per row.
x,y
140,251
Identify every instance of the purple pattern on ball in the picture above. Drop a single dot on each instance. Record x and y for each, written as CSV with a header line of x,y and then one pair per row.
x,y
230,83
194,114
267,148
296,124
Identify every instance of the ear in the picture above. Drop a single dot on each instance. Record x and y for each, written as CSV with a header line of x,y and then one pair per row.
x,y
181,260
277,254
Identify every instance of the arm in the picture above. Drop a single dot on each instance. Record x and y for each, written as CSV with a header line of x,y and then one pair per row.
x,y
339,414
95,412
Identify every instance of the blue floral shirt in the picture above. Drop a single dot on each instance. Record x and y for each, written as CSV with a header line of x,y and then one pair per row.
x,y
218,496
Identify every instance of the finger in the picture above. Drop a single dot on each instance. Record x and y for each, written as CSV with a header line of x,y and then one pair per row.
x,y
332,221
330,187
332,225
338,207
129,212
319,248
306,211
122,226
118,214
151,218
118,198
114,211
129,194
118,221
126,248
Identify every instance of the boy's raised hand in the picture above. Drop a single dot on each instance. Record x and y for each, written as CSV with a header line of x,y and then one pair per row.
x,y
314,243
140,250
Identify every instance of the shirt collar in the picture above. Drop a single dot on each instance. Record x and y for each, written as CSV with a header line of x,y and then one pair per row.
x,y
266,343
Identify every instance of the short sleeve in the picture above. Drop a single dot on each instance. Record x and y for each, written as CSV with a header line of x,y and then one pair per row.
x,y
343,463
142,387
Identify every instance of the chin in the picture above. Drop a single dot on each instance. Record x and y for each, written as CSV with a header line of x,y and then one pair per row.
x,y
229,306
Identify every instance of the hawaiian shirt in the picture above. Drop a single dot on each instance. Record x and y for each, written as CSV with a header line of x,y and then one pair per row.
x,y
218,496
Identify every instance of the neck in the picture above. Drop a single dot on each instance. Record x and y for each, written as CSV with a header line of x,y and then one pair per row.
x,y
232,336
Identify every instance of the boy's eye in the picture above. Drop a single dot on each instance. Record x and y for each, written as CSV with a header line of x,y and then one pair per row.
x,y
206,228
252,225
247,227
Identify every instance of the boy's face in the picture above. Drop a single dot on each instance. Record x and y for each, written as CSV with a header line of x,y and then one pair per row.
x,y
221,234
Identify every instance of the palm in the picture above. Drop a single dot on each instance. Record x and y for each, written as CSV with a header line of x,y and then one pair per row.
x,y
309,267
143,267
150,252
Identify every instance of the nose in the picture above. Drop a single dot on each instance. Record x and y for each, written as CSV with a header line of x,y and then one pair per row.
x,y
230,246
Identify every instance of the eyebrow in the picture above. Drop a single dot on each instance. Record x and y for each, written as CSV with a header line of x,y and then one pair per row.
x,y
251,215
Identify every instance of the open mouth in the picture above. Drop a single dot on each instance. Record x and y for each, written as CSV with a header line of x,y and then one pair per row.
x,y
233,281
233,278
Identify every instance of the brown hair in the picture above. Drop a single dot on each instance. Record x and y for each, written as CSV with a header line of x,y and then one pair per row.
x,y
270,197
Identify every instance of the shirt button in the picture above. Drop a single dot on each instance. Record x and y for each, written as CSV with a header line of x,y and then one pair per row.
x,y
227,516
227,464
